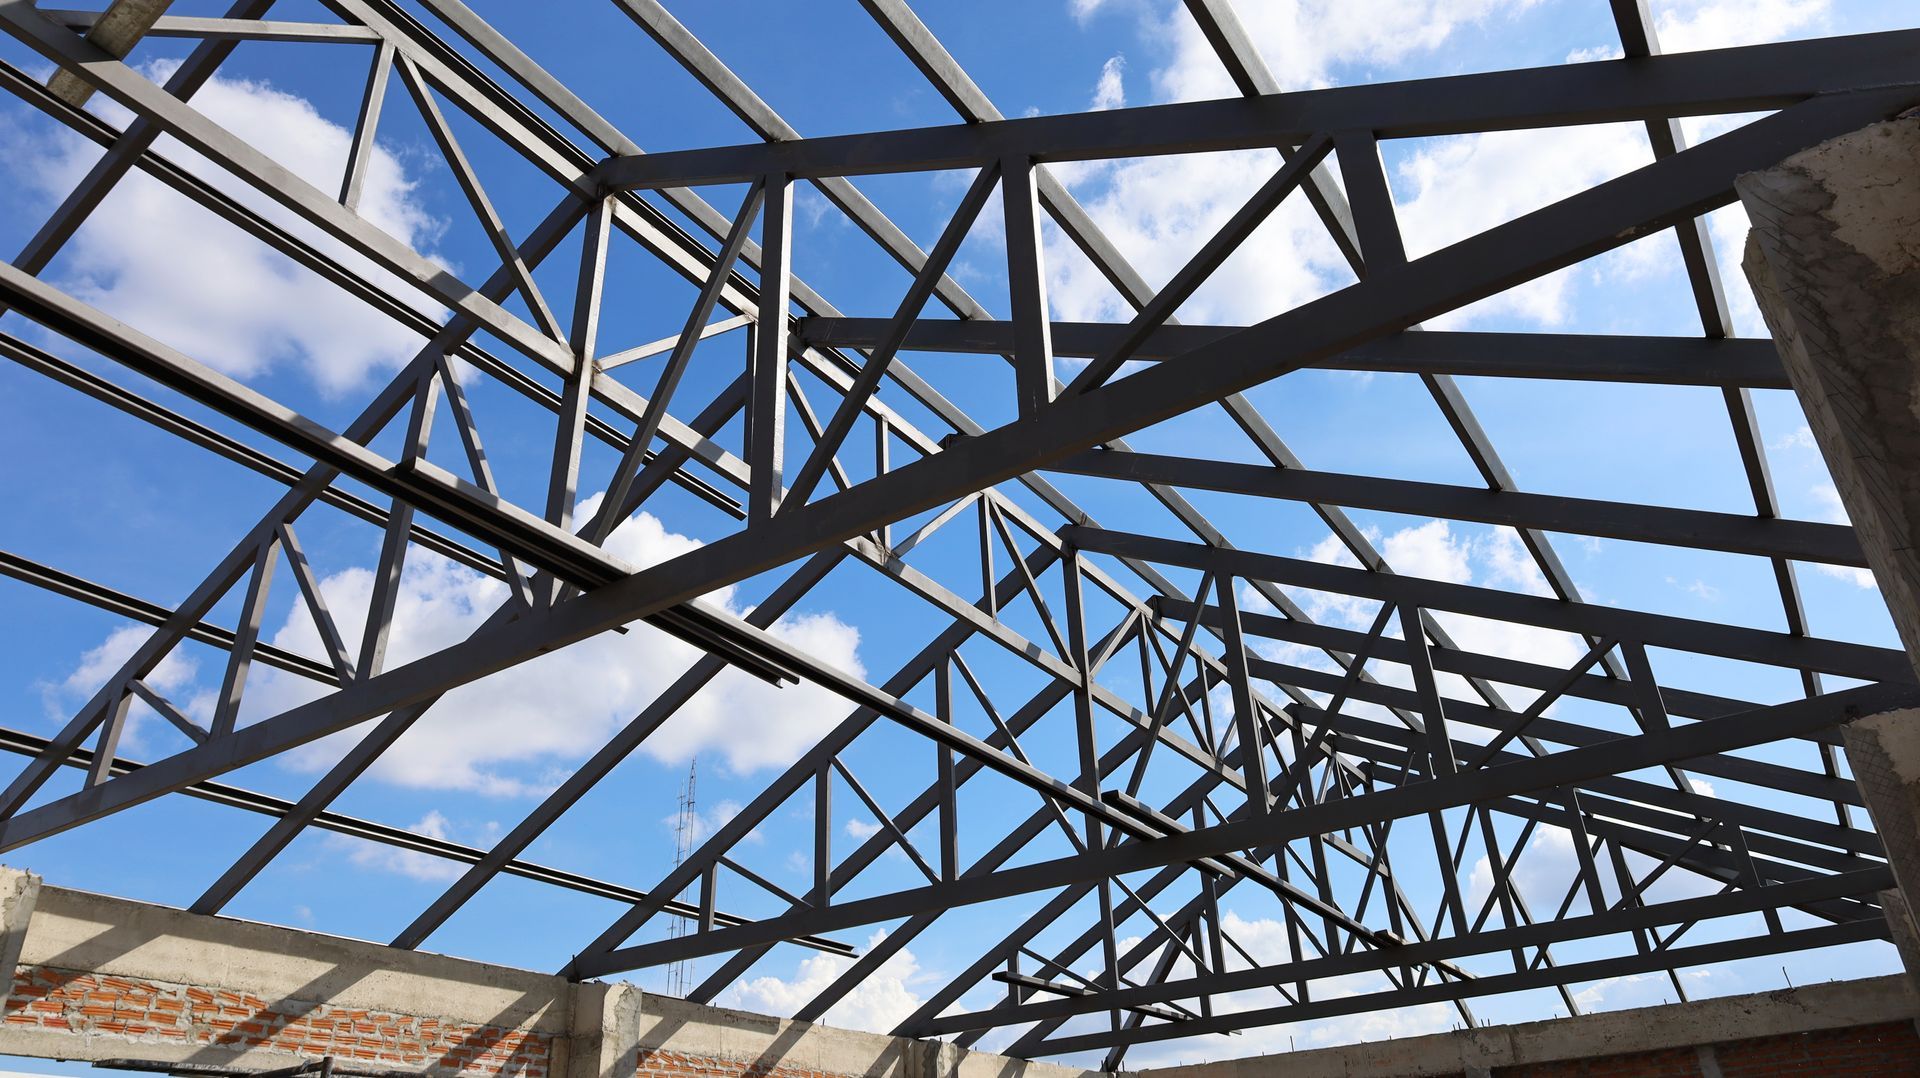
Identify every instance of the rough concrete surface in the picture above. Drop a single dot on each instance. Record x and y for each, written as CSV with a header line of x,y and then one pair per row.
x,y
1835,1005
588,1030
1834,259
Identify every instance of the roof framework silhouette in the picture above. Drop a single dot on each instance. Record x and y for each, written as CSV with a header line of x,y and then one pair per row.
x,y
1320,784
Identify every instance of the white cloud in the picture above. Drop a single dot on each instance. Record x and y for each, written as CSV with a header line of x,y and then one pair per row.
x,y
1491,557
173,677
1686,25
173,270
1827,502
1110,92
1429,550
1542,874
1303,41
1157,211
703,824
1699,589
1801,438
566,703
510,734
413,863
877,1004
1452,188
862,829
1595,52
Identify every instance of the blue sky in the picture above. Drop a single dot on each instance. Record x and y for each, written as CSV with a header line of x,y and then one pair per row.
x,y
96,493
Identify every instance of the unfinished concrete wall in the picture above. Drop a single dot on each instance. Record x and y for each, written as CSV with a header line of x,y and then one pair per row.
x,y
102,978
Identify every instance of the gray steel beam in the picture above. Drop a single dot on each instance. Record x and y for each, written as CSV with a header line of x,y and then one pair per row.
x,y
22,743
118,602
1682,634
1761,536
1858,882
1694,361
1470,787
115,31
1590,223
226,29
1716,82
1706,954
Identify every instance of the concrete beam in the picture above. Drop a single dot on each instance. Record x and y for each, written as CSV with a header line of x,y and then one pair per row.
x,y
102,978
1680,1029
1834,258
117,30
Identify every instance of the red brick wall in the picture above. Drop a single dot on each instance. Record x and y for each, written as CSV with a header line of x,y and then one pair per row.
x,y
152,1011
1891,1050
1669,1063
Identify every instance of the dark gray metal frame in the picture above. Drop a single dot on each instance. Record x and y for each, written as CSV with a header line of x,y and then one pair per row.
x,y
1310,768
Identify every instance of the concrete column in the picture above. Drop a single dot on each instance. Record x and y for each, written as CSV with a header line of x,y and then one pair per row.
x,y
1884,751
1834,258
19,894
604,1039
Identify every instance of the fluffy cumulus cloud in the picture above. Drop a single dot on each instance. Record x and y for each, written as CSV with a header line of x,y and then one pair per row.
x,y
885,997
1450,189
1436,550
173,270
173,678
512,733
1687,25
566,703
1158,211
413,863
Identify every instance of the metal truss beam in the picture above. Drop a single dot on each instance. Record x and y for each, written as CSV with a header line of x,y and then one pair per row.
x,y
1716,82
1471,787
1314,763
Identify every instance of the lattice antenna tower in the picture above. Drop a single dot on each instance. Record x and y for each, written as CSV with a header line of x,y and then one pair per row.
x,y
680,973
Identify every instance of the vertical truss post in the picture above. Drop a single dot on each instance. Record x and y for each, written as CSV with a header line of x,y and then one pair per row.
x,y
1073,587
949,792
1027,287
1439,741
101,767
563,483
1253,757
366,124
246,636
823,833
766,410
